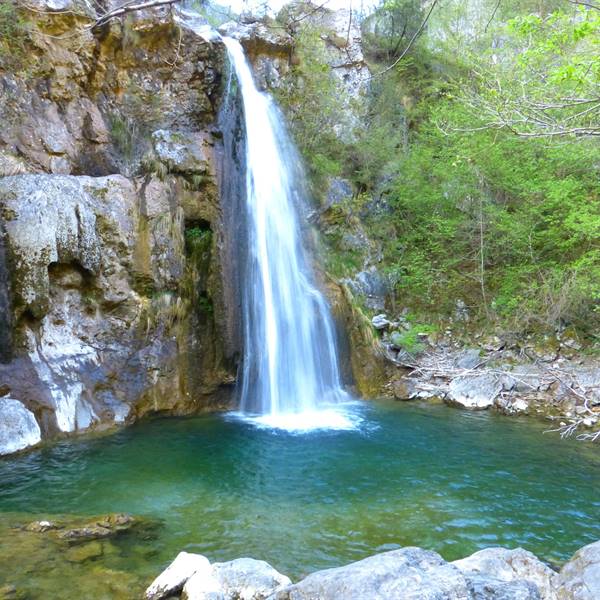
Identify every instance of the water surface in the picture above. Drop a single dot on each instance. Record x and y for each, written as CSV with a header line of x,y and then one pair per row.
x,y
431,476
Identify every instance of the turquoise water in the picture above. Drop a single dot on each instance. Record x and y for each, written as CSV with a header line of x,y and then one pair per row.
x,y
431,476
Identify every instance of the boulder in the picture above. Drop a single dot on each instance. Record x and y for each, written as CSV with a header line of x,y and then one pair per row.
x,y
18,427
405,574
507,565
579,579
476,392
248,579
484,587
468,359
174,577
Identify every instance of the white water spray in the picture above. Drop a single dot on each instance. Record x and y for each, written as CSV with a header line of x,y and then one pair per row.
x,y
290,376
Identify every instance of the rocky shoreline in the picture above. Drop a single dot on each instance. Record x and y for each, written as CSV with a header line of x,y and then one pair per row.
x,y
553,381
409,573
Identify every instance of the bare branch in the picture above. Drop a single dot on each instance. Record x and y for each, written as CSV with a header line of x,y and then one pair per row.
x,y
493,15
582,3
127,8
412,40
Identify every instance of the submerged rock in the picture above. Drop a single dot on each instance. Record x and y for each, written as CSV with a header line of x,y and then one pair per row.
x,y
407,574
579,579
84,552
104,527
18,427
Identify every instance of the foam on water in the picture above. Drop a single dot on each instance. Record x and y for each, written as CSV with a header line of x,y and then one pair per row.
x,y
341,417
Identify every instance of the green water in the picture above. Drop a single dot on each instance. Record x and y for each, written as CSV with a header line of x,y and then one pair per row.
x,y
431,476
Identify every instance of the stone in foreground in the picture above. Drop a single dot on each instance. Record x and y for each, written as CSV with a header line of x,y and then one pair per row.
x,y
197,579
407,574
506,565
172,579
579,579
249,579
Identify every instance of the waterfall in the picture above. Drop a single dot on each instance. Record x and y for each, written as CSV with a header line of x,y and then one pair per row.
x,y
289,373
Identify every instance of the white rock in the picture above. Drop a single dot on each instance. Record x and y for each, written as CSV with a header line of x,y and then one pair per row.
x,y
405,574
477,392
18,427
175,576
510,565
249,579
203,585
380,321
579,579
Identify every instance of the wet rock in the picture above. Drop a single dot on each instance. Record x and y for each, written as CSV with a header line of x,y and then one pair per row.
x,y
258,38
579,579
507,565
476,392
40,526
248,579
103,527
407,574
174,577
18,427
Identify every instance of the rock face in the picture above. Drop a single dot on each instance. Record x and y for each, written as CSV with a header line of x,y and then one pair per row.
x,y
579,579
18,427
111,278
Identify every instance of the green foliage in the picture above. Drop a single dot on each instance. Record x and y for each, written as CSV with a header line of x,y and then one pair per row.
x,y
509,225
544,80
123,133
13,35
473,205
312,101
388,30
198,240
410,340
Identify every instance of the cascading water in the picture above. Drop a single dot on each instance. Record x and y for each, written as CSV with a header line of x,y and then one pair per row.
x,y
290,373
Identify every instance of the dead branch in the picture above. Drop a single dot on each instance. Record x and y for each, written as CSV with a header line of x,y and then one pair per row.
x,y
128,8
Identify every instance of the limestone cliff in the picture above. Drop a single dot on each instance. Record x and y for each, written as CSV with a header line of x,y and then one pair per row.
x,y
111,282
